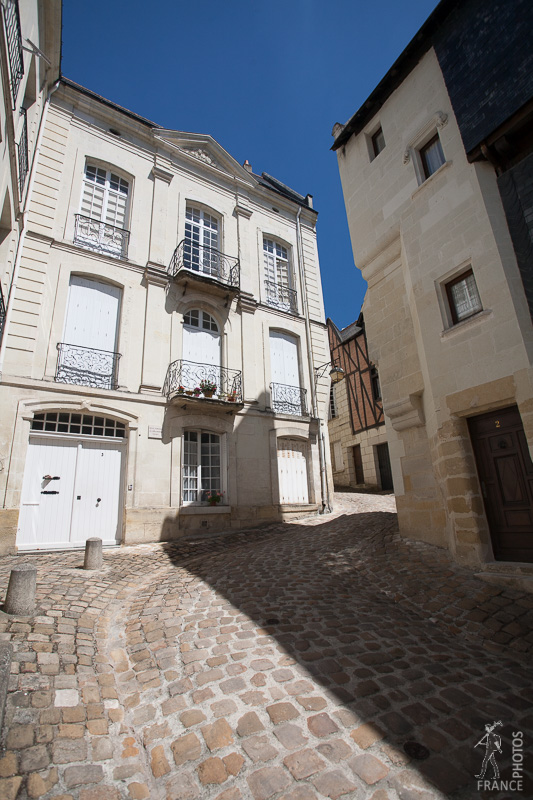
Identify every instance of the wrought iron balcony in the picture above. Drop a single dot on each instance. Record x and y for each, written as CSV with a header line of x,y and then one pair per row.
x,y
14,45
288,399
187,377
97,235
205,262
2,314
281,297
22,148
85,366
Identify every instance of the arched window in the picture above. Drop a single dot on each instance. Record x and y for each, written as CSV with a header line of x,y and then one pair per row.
x,y
201,350
201,247
280,292
101,223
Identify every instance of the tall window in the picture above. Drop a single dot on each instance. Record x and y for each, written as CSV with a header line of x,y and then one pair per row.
x,y
201,465
378,142
279,291
432,156
87,354
201,249
101,224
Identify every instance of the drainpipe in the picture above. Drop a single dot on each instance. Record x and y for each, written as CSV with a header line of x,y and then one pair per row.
x,y
20,243
325,500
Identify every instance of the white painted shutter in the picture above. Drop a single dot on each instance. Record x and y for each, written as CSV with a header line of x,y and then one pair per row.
x,y
201,346
292,471
284,359
92,314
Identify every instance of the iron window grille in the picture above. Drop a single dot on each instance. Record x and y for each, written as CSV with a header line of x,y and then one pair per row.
x,y
281,297
22,148
100,236
85,366
14,45
207,261
288,399
78,424
184,377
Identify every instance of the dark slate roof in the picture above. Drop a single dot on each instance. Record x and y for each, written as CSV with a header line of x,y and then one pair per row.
x,y
272,183
349,332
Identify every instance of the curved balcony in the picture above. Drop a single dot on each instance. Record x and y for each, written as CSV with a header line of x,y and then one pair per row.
x,y
196,263
288,399
281,297
187,380
85,366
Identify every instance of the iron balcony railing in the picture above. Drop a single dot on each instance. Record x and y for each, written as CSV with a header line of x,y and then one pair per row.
x,y
2,314
205,261
85,366
97,235
281,297
14,45
23,152
288,399
189,378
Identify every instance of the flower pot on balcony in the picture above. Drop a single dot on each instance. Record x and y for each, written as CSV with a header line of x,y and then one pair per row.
x,y
213,502
207,393
189,392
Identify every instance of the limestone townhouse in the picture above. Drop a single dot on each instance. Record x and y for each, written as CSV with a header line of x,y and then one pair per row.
x,y
158,365
436,168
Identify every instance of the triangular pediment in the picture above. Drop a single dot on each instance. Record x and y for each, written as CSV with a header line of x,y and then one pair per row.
x,y
203,148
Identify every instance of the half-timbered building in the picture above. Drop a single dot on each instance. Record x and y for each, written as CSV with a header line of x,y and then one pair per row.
x,y
358,442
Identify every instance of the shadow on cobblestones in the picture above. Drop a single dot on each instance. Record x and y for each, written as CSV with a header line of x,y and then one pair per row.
x,y
386,627
291,662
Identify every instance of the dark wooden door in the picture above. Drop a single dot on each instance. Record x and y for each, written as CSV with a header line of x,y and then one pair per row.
x,y
358,464
385,472
505,472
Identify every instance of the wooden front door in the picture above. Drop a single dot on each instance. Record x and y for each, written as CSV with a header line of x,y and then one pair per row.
x,y
385,471
505,472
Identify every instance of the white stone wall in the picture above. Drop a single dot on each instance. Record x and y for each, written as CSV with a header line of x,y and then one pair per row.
x,y
409,237
165,175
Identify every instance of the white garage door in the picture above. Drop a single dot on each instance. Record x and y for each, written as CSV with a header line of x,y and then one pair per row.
x,y
292,471
72,490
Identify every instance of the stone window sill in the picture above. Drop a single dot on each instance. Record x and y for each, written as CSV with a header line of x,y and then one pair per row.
x,y
466,323
186,510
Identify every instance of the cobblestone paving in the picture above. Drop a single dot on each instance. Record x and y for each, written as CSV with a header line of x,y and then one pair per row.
x,y
291,662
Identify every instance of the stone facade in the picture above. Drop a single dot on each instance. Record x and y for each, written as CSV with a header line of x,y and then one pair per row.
x,y
415,231
88,141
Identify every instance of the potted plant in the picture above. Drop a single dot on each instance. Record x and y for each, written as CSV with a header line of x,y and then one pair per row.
x,y
181,389
232,396
214,497
208,388
197,391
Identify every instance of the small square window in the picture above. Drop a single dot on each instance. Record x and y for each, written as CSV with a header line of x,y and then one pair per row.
x,y
463,297
432,156
378,142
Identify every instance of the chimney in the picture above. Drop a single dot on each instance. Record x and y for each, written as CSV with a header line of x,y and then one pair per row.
x,y
309,200
247,166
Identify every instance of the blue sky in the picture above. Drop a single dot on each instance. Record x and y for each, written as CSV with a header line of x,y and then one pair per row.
x,y
266,79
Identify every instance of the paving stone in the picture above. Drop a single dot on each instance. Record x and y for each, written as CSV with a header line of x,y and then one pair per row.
x,y
9,787
303,764
321,725
369,768
233,793
281,712
182,787
248,724
258,748
223,708
192,717
233,763
302,792
290,736
333,784
268,781
186,748
213,770
219,734
335,750
82,774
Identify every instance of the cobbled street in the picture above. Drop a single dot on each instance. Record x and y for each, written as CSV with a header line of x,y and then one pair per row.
x,y
288,662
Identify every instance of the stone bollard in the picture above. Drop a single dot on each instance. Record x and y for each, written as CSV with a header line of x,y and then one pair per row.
x,y
93,553
20,597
